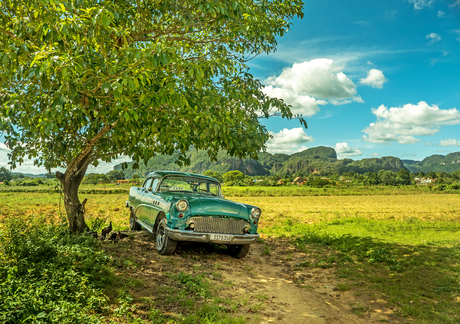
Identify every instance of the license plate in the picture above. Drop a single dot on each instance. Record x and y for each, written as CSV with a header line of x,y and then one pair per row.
x,y
221,237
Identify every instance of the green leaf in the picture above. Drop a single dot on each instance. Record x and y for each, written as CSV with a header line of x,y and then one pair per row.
x,y
105,21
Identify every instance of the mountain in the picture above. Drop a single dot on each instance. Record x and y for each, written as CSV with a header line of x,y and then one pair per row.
x,y
436,163
314,160
199,162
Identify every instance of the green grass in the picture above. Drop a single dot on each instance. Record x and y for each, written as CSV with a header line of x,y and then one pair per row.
x,y
413,264
295,190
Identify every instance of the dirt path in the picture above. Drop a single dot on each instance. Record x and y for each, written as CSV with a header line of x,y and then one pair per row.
x,y
268,287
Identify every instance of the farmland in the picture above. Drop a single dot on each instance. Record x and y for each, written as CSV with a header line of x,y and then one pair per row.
x,y
393,256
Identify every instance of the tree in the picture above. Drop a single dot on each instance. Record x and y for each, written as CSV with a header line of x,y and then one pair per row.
x,y
387,177
233,176
115,175
215,175
83,81
5,174
95,178
403,177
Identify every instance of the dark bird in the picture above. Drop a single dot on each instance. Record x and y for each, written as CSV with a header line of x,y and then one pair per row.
x,y
106,230
121,235
113,237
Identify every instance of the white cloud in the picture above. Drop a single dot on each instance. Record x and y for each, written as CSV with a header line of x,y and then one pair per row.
x,y
288,141
375,154
301,104
450,142
317,78
456,4
433,37
343,150
401,124
4,148
420,4
375,79
310,84
458,32
441,14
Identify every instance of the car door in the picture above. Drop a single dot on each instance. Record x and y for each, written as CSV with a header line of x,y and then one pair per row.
x,y
142,210
151,202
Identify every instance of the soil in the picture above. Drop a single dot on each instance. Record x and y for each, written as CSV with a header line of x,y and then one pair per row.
x,y
269,287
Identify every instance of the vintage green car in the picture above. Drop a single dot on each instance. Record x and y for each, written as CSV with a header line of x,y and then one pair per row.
x,y
178,206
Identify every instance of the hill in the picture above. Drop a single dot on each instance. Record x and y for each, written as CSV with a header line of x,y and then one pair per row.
x,y
314,160
199,162
436,163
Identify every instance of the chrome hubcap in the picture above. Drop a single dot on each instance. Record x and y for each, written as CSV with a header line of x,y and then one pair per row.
x,y
160,237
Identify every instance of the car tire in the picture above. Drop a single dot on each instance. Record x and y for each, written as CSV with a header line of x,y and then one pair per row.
x,y
163,244
133,224
238,251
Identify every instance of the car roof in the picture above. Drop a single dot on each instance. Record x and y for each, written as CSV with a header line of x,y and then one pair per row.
x,y
165,173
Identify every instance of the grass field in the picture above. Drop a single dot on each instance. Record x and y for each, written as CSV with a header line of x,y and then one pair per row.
x,y
402,247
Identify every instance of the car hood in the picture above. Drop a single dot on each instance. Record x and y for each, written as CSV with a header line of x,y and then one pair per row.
x,y
211,205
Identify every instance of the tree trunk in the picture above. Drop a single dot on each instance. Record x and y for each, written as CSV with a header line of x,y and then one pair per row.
x,y
71,181
75,210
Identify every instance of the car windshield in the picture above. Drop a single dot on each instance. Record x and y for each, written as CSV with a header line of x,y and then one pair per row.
x,y
190,184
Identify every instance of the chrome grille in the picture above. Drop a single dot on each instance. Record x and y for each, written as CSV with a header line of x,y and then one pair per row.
x,y
218,225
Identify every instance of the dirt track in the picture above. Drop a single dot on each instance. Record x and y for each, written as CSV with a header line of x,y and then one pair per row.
x,y
270,288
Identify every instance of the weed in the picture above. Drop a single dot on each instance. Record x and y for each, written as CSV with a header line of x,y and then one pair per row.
x,y
267,250
359,309
343,287
228,283
262,297
216,274
248,267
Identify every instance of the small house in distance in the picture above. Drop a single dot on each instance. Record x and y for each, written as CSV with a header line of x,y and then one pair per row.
x,y
122,181
298,181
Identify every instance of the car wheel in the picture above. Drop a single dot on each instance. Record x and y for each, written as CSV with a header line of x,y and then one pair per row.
x,y
133,225
164,245
238,251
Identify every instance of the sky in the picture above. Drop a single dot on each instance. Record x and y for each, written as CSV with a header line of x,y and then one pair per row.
x,y
371,78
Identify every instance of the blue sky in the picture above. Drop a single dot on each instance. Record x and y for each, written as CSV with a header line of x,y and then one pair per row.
x,y
372,78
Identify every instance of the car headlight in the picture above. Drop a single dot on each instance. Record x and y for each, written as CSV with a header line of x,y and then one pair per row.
x,y
256,212
182,205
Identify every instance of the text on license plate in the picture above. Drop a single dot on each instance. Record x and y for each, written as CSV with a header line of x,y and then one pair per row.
x,y
221,237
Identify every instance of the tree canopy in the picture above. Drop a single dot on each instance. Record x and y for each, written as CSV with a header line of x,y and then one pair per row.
x,y
84,80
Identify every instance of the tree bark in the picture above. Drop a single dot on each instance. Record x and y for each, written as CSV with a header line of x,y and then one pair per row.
x,y
71,181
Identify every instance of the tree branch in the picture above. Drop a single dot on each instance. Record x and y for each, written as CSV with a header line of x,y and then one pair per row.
x,y
74,168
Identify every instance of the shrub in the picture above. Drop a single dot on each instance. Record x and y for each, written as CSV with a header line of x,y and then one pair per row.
x,y
49,275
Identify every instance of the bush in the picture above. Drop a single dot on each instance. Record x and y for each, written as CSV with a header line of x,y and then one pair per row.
x,y
49,275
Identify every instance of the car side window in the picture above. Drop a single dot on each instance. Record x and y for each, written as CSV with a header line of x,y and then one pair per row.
x,y
148,183
155,184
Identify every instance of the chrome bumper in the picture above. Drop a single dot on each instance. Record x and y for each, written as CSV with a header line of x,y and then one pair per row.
x,y
180,235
